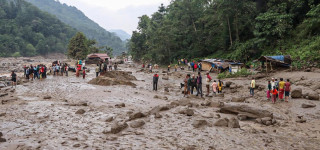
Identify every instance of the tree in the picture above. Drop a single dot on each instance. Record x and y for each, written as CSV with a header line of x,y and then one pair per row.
x,y
109,51
77,47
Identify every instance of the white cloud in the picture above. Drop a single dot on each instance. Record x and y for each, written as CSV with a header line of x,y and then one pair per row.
x,y
116,14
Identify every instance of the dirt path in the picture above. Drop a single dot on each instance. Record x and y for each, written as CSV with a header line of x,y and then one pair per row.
x,y
33,122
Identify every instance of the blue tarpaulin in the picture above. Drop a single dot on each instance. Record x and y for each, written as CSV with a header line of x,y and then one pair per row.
x,y
280,57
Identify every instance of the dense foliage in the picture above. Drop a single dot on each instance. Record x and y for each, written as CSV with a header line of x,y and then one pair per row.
x,y
75,18
234,29
26,31
79,46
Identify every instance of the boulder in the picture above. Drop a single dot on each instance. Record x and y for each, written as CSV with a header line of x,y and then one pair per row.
x,y
221,122
233,123
313,96
166,89
238,99
47,97
109,119
304,105
296,93
265,120
137,124
136,116
199,123
120,105
157,109
233,86
189,112
118,127
258,120
157,115
242,117
228,83
3,140
80,111
249,111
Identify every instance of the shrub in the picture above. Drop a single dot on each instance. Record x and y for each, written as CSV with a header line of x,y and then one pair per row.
x,y
242,73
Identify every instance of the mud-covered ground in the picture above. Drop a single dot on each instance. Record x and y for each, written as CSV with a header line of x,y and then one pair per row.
x,y
42,115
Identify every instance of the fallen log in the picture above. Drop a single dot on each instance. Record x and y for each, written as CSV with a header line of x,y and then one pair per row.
x,y
249,111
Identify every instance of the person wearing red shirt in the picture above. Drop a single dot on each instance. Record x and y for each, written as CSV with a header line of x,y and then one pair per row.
x,y
274,94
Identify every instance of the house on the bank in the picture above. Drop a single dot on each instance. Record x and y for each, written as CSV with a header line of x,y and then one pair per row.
x,y
272,62
218,65
96,58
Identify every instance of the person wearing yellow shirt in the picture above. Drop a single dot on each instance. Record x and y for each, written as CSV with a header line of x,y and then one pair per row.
x,y
252,87
281,88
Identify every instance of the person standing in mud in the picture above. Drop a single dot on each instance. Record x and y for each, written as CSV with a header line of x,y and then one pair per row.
x,y
208,80
25,69
176,68
169,66
269,90
155,82
192,66
277,87
97,70
78,70
186,91
214,87
67,69
220,85
281,89
274,95
115,66
199,85
287,89
84,73
27,73
31,72
14,79
252,86
193,83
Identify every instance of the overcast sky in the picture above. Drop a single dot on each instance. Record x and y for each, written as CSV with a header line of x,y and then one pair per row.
x,y
116,14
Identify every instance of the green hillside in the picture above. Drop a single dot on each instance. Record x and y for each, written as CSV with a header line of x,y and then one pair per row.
x,y
241,30
75,18
27,31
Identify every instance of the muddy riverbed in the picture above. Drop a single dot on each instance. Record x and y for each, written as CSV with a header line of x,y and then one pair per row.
x,y
68,113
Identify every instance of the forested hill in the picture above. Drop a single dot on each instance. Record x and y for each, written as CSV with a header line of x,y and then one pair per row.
x,y
75,18
235,29
27,31
122,34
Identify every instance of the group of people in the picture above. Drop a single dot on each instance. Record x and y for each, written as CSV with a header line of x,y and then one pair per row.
x,y
195,82
278,90
59,69
35,72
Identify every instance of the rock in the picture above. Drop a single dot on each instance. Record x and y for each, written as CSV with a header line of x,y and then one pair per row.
x,y
166,89
268,123
2,114
47,97
76,145
136,116
199,123
120,105
189,112
238,99
165,77
258,120
228,83
157,109
217,116
249,111
220,95
304,105
265,119
137,124
301,120
157,97
158,115
165,98
242,117
274,121
80,111
313,96
233,123
3,140
109,119
233,86
221,122
296,93
117,127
